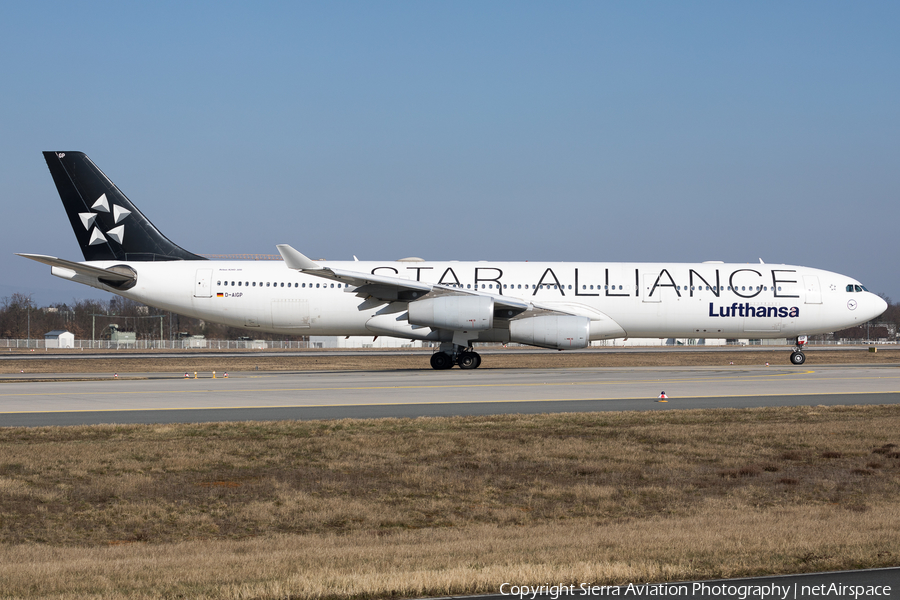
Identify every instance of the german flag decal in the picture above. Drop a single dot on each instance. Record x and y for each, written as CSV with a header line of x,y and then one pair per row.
x,y
220,295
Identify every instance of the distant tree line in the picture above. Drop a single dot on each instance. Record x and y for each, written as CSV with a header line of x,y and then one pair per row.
x,y
21,318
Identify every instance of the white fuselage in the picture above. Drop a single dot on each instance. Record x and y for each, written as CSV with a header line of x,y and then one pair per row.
x,y
698,300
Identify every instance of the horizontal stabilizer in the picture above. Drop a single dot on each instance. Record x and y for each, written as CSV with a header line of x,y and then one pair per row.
x,y
107,275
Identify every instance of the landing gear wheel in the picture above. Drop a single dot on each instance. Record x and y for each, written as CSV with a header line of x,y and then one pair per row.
x,y
468,360
798,358
441,361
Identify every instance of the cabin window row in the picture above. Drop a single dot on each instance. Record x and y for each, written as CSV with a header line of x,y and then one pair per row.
x,y
278,284
721,288
513,286
545,286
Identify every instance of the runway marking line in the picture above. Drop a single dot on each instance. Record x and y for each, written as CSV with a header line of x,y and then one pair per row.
x,y
550,400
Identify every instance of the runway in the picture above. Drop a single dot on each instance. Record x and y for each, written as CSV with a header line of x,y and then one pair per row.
x,y
155,398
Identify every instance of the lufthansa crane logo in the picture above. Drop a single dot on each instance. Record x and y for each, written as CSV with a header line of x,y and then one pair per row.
x,y
851,304
89,219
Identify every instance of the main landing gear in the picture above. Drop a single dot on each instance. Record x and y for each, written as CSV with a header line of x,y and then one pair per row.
x,y
466,358
797,356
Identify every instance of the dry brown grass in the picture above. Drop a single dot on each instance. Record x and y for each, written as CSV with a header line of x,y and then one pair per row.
x,y
206,361
410,507
722,541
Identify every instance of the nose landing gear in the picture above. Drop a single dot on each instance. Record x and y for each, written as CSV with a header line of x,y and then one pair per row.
x,y
797,356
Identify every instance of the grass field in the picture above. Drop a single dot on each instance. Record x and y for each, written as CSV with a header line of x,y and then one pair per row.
x,y
405,508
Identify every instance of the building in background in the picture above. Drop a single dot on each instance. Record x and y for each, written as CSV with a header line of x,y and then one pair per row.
x,y
361,341
59,338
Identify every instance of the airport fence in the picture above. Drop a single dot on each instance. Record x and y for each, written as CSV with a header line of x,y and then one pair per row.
x,y
183,344
209,344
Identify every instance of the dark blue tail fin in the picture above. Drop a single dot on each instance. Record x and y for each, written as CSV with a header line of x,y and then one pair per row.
x,y
107,225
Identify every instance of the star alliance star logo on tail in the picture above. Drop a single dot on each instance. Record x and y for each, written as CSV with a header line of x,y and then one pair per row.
x,y
88,219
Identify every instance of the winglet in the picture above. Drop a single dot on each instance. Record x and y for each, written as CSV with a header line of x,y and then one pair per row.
x,y
297,261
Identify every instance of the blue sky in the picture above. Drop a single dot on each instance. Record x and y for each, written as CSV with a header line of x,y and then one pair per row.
x,y
595,131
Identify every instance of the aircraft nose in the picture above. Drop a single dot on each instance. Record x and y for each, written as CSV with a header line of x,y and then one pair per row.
x,y
878,306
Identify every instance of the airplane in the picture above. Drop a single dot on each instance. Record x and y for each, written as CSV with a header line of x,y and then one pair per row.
x,y
557,305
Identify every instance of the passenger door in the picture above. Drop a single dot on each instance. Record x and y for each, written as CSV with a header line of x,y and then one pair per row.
x,y
813,292
203,283
649,279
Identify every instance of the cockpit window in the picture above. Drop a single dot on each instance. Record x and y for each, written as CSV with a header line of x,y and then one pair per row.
x,y
856,288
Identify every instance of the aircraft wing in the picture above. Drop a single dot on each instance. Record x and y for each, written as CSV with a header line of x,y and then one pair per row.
x,y
114,275
391,289
379,286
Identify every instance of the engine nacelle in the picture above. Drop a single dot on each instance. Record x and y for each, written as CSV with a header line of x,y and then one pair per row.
x,y
458,313
561,332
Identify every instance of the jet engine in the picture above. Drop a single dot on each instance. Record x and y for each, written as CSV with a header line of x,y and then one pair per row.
x,y
458,313
561,332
